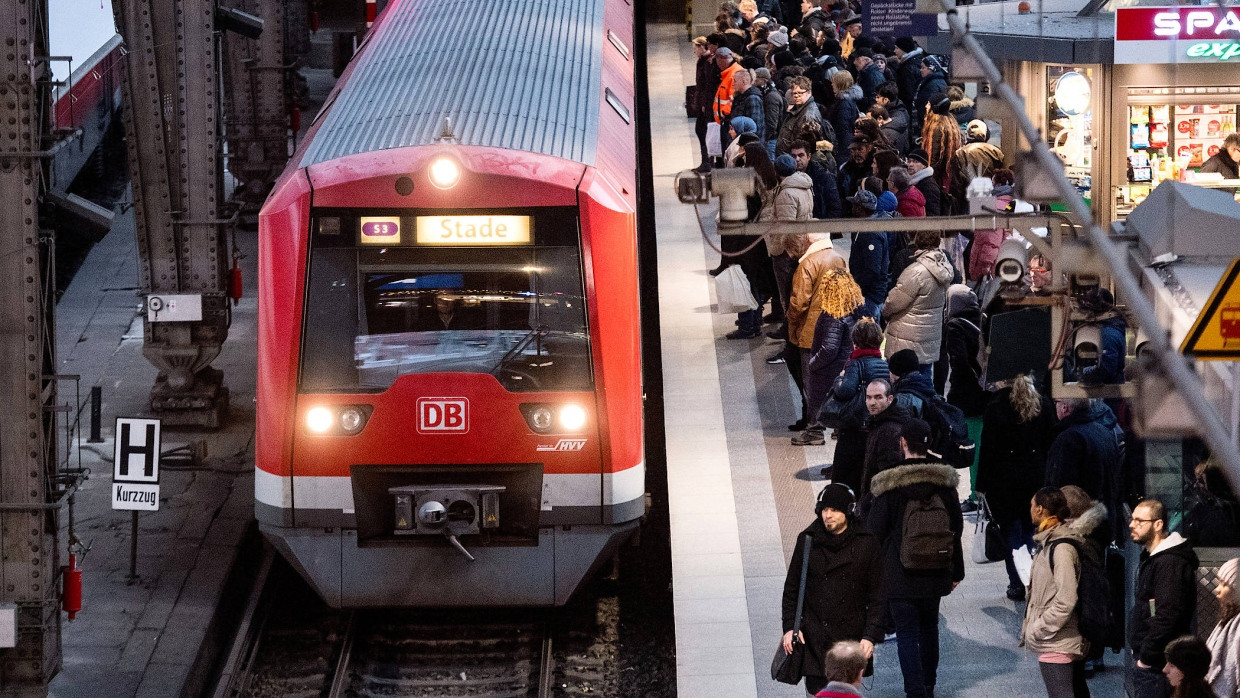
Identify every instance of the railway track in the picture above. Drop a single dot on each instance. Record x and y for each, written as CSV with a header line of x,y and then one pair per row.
x,y
290,644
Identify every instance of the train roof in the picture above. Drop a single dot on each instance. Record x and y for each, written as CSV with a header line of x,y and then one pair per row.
x,y
518,74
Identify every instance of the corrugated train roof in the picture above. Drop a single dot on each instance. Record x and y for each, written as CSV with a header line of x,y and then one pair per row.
x,y
518,74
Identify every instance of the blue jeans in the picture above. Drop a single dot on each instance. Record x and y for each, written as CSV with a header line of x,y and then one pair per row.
x,y
1149,683
873,310
770,149
917,643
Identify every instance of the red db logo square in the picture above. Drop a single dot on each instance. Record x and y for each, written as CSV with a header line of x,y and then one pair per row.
x,y
443,415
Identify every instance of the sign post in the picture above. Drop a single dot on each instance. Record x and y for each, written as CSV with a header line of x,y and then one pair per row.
x,y
135,475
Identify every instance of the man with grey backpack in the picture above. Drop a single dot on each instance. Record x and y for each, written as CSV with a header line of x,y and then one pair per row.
x,y
916,517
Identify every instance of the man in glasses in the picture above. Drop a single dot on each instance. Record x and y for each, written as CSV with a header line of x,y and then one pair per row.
x,y
1166,597
803,121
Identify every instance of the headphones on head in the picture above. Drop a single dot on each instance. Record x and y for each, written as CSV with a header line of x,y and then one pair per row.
x,y
819,505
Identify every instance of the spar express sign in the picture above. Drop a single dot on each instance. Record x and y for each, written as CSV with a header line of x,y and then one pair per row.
x,y
1177,34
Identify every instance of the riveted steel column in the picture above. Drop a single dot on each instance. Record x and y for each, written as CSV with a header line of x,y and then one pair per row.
x,y
256,102
27,436
172,129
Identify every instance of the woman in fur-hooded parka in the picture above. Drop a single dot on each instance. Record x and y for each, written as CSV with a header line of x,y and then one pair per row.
x,y
914,308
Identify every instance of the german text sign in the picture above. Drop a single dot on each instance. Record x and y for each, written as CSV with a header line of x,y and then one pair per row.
x,y
135,465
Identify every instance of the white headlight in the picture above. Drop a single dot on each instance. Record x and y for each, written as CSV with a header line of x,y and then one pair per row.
x,y
541,418
445,173
319,420
351,420
572,417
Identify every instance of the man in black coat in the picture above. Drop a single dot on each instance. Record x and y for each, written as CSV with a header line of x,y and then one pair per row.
x,y
1166,597
1227,160
882,443
1088,451
826,194
844,586
918,496
908,72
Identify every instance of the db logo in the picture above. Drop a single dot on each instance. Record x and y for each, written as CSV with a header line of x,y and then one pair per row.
x,y
443,415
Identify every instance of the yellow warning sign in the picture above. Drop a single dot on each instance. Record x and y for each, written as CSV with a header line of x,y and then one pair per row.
x,y
402,523
1216,332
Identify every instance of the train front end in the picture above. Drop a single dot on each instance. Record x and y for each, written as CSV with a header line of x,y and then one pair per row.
x,y
449,403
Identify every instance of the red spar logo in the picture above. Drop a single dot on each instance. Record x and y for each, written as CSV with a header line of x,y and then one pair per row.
x,y
443,415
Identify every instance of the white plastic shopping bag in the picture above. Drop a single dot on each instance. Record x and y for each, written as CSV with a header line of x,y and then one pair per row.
x,y
714,146
732,290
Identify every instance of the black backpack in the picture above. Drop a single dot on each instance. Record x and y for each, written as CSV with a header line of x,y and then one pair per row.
x,y
1095,609
928,540
949,432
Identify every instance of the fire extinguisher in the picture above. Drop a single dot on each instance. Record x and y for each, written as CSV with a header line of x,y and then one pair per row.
x,y
294,119
314,21
71,592
235,283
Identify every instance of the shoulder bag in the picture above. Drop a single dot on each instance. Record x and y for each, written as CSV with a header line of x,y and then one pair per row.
x,y
788,667
988,542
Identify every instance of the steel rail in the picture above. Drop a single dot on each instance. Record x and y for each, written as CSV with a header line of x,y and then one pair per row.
x,y
340,678
546,663
1176,367
245,644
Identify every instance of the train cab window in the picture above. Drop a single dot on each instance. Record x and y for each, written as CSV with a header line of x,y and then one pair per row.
x,y
375,313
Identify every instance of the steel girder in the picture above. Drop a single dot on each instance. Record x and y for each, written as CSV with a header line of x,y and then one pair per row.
x,y
256,102
28,525
171,101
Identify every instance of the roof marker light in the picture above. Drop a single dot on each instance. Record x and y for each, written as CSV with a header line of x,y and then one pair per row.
x,y
445,173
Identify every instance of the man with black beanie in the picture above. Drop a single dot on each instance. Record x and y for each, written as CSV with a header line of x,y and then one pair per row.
x,y
844,597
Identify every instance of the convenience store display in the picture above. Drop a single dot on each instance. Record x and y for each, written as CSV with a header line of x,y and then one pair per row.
x,y
1170,142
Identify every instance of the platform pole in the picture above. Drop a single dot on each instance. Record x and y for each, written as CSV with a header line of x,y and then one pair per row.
x,y
133,548
96,414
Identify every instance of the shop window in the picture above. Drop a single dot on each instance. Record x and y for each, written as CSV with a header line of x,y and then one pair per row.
x,y
1069,118
1172,133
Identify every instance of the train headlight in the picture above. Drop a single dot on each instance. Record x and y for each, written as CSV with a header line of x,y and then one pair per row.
x,y
351,420
541,418
572,417
320,420
445,173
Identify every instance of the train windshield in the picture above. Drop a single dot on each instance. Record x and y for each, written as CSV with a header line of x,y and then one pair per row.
x,y
499,294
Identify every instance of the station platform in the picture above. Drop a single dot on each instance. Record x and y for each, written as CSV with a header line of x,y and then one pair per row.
x,y
739,492
153,636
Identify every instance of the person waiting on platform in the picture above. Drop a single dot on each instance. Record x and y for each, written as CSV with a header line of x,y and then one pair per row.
x,y
917,519
1224,639
1051,628
1188,660
844,585
846,662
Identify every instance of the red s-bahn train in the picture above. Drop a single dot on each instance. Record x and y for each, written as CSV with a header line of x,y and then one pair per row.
x,y
449,404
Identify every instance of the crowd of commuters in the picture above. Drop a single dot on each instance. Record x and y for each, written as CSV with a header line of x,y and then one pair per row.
x,y
886,346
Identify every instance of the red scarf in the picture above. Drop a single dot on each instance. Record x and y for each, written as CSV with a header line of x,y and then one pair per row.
x,y
858,353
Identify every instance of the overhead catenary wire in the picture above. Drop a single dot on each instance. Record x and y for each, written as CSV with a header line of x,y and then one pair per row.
x,y
1187,383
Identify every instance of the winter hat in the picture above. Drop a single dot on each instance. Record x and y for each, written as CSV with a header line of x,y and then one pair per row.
x,y
906,44
887,202
921,156
977,131
852,19
778,39
762,74
902,362
862,51
837,496
724,51
831,47
783,58
941,105
743,124
865,199
915,432
1228,573
785,166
